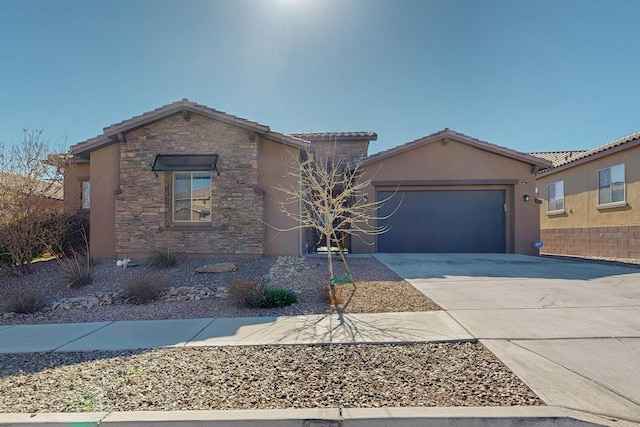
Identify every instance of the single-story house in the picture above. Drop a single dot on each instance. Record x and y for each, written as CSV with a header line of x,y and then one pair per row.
x,y
187,177
448,192
201,181
591,200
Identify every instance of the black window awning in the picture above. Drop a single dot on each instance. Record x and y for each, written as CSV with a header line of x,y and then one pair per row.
x,y
185,162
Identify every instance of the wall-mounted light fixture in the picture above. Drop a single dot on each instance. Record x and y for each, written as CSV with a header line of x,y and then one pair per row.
x,y
525,197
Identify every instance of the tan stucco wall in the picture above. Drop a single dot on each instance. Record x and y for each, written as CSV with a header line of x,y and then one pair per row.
x,y
74,174
273,160
581,194
462,165
105,181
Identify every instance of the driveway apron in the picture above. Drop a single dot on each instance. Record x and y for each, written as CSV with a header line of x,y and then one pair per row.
x,y
569,329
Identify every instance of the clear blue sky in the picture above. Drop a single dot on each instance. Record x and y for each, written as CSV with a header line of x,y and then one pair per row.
x,y
535,75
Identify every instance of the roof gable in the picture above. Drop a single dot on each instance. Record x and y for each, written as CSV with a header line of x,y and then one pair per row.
x,y
461,138
115,132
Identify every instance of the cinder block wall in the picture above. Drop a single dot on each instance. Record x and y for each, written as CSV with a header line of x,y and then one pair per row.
x,y
611,242
143,211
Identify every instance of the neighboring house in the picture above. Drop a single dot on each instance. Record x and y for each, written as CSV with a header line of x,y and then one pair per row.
x,y
43,193
453,193
591,201
187,177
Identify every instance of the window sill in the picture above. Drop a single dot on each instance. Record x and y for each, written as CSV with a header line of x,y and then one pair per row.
x,y
190,226
560,212
614,205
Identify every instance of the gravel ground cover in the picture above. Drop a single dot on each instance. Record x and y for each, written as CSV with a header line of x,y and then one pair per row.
x,y
269,377
445,374
377,289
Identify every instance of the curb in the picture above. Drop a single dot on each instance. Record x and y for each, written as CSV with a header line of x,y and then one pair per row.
x,y
321,417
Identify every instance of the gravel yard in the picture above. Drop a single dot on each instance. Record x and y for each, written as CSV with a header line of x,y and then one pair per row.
x,y
259,378
377,288
445,374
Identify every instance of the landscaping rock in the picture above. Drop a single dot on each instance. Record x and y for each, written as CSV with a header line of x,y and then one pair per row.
x,y
222,267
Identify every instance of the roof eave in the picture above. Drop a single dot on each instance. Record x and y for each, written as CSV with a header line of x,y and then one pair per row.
x,y
589,158
447,134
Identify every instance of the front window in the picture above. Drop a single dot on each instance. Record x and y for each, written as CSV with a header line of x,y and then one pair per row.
x,y
556,196
611,184
192,196
86,194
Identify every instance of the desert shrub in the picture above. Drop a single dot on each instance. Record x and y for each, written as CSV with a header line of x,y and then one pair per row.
x,y
75,237
246,293
163,257
25,301
142,290
78,270
20,240
277,297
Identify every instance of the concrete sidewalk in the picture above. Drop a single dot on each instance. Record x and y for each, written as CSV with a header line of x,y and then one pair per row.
x,y
420,327
570,330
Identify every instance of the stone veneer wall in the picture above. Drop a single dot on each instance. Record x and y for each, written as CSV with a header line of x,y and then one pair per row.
x,y
143,205
611,242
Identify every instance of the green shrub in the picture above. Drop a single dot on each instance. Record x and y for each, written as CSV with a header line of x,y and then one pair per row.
x,y
142,290
246,293
276,297
26,301
163,257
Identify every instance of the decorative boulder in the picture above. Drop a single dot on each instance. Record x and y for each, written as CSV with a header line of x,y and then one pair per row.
x,y
222,267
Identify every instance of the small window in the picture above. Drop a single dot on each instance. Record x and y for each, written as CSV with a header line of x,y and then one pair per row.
x,y
191,194
86,194
611,185
556,196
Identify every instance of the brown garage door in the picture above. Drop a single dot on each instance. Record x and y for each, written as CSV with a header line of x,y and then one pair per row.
x,y
444,221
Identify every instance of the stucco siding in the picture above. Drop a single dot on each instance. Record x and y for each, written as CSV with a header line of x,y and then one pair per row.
x,y
105,180
451,165
584,227
281,235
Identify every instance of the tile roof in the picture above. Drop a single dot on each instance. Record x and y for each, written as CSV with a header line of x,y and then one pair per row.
x,y
586,155
362,135
456,136
557,157
47,188
111,132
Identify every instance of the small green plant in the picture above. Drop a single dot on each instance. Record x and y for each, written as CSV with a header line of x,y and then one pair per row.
x,y
142,290
246,293
277,297
25,301
163,257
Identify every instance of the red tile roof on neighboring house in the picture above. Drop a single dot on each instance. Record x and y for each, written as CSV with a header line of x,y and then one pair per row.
x,y
580,157
115,131
456,136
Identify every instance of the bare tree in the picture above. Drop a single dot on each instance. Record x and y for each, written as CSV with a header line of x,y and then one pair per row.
x,y
28,187
328,195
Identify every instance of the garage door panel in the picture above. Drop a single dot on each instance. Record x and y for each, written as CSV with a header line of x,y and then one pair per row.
x,y
443,221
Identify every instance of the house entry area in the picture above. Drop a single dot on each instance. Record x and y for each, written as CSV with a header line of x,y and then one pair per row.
x,y
443,221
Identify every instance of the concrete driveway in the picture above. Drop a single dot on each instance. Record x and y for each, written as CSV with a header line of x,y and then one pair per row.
x,y
569,329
